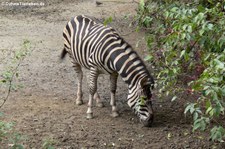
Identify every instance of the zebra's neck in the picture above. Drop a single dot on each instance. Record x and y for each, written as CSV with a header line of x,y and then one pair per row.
x,y
135,91
129,66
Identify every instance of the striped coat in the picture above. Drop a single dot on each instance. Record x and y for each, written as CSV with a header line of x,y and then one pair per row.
x,y
100,49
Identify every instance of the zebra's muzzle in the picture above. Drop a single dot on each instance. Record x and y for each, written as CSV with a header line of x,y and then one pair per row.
x,y
148,122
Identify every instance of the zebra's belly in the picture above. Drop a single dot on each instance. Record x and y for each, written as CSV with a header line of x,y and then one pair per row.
x,y
89,64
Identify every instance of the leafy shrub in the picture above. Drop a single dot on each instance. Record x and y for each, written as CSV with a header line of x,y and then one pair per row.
x,y
10,71
7,135
187,48
48,143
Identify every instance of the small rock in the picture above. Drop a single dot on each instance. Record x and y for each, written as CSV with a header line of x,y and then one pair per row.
x,y
35,120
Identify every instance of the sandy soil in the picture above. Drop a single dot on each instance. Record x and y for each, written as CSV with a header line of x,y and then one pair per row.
x,y
44,108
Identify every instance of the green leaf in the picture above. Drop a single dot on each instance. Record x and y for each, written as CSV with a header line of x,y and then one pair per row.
x,y
183,35
17,146
217,133
142,5
189,29
190,108
148,58
215,96
223,91
208,104
207,92
200,124
3,81
197,125
201,32
210,26
174,98
219,64
184,27
195,116
107,21
174,9
197,86
208,110
166,14
182,53
147,20
201,16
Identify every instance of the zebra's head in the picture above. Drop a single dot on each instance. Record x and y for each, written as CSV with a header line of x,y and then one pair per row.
x,y
140,101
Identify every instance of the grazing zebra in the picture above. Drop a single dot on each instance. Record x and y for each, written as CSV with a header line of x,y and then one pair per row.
x,y
100,49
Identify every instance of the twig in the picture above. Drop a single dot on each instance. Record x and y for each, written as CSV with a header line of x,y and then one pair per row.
x,y
82,127
10,82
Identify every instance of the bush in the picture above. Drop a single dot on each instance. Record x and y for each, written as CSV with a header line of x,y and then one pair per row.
x,y
10,71
187,48
8,137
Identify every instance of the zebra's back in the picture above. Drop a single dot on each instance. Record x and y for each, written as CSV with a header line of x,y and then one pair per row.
x,y
87,41
91,44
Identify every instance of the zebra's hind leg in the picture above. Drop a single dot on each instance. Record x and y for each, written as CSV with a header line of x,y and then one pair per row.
x,y
79,73
92,90
113,86
98,100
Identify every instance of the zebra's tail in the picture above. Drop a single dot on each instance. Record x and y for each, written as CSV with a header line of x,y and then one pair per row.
x,y
63,54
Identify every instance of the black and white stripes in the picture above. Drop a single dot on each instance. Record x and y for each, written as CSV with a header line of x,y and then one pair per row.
x,y
100,49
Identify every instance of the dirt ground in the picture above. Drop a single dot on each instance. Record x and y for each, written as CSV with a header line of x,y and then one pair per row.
x,y
44,109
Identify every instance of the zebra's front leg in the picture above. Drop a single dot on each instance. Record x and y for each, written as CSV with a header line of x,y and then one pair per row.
x,y
113,86
92,90
79,73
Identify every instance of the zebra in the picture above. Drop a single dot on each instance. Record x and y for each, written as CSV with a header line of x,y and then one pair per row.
x,y
100,49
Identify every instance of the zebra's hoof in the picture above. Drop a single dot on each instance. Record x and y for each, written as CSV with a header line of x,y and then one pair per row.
x,y
115,114
100,105
89,115
79,102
